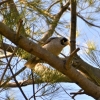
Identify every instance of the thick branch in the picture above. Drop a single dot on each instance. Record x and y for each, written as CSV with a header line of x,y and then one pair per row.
x,y
89,87
90,71
73,25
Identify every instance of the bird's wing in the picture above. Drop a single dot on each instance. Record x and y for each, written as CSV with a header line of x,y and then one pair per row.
x,y
49,40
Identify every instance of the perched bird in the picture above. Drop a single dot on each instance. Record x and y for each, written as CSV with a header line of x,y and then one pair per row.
x,y
53,45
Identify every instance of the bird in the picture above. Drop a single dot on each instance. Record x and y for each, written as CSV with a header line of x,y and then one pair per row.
x,y
53,45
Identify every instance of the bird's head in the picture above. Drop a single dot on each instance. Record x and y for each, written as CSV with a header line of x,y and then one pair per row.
x,y
65,41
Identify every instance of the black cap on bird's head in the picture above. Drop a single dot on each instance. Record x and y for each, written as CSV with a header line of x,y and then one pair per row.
x,y
64,41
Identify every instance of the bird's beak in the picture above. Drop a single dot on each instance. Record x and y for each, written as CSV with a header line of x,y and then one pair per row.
x,y
68,43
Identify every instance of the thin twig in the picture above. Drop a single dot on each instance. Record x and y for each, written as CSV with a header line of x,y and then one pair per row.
x,y
77,93
3,84
80,16
32,73
3,56
53,5
18,84
19,27
39,90
66,92
88,21
3,2
8,63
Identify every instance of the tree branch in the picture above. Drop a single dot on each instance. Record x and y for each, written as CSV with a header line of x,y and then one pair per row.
x,y
89,23
70,58
73,26
55,21
8,64
89,87
91,72
4,2
7,47
18,85
5,83
15,15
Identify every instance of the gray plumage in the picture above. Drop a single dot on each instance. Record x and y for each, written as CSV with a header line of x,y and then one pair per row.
x,y
53,45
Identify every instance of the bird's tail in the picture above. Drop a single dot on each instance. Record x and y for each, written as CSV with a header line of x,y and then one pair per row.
x,y
32,62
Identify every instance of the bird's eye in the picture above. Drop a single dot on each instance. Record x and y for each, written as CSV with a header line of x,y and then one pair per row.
x,y
63,41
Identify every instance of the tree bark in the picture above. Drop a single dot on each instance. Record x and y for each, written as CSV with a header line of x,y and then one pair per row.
x,y
73,26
